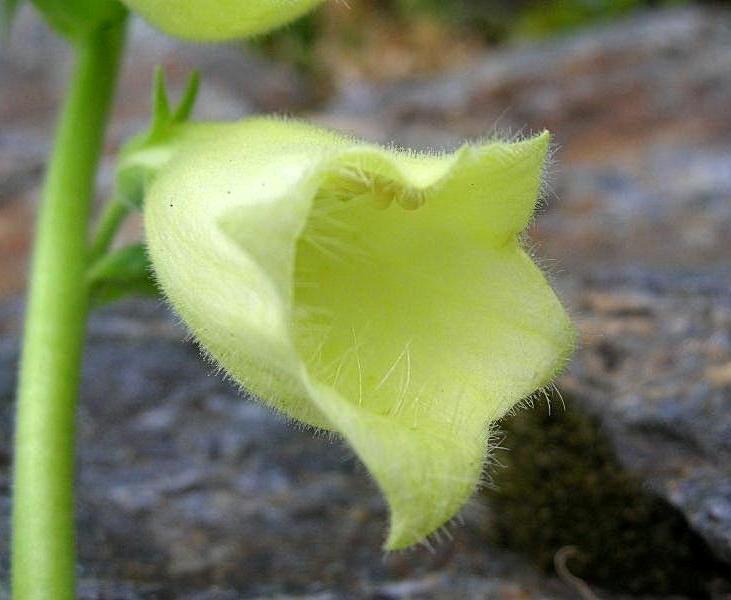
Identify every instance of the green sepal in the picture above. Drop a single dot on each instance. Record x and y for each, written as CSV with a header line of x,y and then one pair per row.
x,y
165,119
121,273
142,157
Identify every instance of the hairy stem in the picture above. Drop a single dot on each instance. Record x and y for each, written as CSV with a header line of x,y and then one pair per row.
x,y
43,551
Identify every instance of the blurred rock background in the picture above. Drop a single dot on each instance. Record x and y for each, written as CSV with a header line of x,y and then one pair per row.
x,y
187,490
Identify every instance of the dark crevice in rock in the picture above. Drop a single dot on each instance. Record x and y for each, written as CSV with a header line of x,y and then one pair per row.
x,y
563,486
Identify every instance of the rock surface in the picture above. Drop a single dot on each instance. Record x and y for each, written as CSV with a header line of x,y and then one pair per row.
x,y
188,491
655,367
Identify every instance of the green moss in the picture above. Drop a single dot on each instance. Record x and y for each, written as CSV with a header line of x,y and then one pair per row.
x,y
563,487
536,20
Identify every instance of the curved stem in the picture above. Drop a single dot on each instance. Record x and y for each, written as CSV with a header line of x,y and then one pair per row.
x,y
115,212
43,554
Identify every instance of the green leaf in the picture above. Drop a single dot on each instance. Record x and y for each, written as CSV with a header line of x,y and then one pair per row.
x,y
218,20
187,102
121,273
379,294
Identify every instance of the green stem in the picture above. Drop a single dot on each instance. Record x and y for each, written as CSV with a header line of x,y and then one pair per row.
x,y
44,556
115,212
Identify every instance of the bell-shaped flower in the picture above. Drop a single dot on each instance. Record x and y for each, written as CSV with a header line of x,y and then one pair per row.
x,y
219,20
379,294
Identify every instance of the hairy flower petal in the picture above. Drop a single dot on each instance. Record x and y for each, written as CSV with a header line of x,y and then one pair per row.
x,y
380,294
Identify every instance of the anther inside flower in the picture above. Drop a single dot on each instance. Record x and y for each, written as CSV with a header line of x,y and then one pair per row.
x,y
379,294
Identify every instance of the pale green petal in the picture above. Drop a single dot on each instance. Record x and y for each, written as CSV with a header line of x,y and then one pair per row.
x,y
380,294
218,20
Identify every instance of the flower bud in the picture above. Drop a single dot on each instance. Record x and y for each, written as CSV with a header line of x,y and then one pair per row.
x,y
218,20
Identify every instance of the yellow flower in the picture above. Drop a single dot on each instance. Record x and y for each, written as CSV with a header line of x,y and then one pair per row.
x,y
379,294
